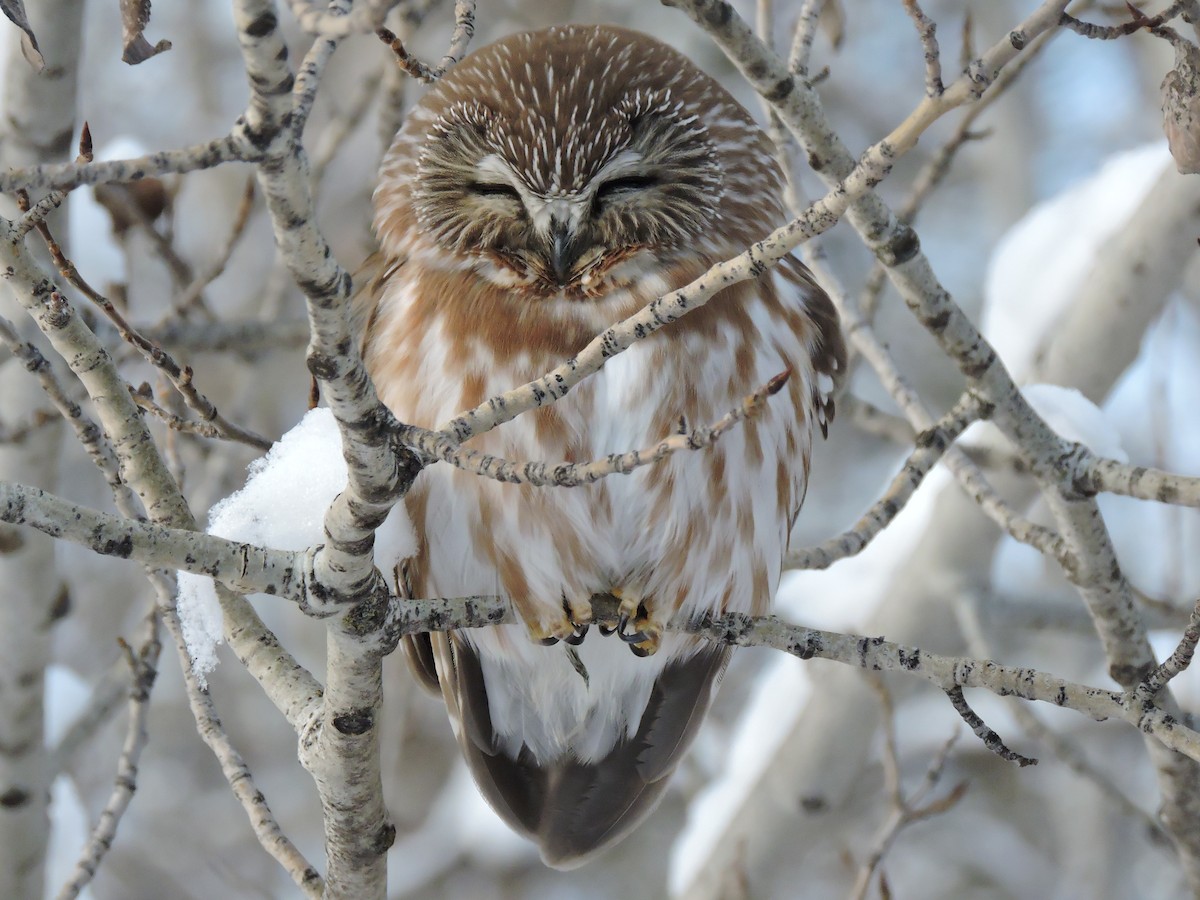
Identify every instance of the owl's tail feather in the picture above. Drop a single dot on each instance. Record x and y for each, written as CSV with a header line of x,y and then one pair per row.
x,y
574,809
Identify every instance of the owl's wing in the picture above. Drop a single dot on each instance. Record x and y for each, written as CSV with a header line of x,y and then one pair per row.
x,y
369,281
418,653
574,809
827,349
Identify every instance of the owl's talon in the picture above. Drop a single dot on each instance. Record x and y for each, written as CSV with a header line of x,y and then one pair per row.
x,y
606,630
547,641
576,637
637,627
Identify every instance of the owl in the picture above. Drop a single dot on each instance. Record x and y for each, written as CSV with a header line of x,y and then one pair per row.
x,y
550,185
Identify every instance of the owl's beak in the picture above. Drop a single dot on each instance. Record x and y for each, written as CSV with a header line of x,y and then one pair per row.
x,y
563,251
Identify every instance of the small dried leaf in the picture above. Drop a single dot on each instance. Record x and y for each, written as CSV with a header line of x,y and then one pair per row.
x,y
147,196
135,16
15,10
85,143
1181,108
833,22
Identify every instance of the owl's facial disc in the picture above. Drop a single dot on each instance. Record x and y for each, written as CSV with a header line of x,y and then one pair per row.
x,y
558,219
560,244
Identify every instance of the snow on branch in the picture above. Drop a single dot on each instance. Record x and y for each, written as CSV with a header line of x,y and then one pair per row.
x,y
245,567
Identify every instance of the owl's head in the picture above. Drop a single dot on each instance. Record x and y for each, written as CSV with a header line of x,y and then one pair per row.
x,y
552,157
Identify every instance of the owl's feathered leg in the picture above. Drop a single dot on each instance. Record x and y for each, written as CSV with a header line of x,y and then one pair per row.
x,y
542,628
545,629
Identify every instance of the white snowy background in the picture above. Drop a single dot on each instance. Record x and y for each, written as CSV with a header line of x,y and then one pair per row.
x,y
1073,150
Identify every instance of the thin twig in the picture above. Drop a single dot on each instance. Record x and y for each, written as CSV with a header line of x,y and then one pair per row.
x,y
1112,32
1176,663
904,811
802,39
931,446
460,38
990,739
927,32
99,709
144,397
192,296
143,664
181,377
438,445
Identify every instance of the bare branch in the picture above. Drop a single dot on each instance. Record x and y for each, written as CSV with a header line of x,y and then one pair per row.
x,y
904,811
193,294
144,397
464,30
1095,474
1137,22
143,668
873,654
317,19
932,444
235,770
243,566
64,176
437,445
802,39
1174,664
990,739
181,377
927,32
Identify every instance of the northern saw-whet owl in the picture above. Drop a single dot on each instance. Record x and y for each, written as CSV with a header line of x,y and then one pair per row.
x,y
549,185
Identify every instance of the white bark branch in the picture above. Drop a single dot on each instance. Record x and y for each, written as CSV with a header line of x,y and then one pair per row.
x,y
1087,552
39,108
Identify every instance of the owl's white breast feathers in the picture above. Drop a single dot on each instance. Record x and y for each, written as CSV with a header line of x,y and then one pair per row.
x,y
701,531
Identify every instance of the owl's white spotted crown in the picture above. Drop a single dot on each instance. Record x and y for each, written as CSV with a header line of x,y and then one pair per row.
x,y
553,153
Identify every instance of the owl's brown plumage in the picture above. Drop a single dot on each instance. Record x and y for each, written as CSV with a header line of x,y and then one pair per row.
x,y
551,184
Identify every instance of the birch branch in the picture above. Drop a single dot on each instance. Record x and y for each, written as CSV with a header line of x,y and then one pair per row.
x,y
340,743
1093,474
873,654
437,445
931,446
38,116
464,30
140,465
143,670
1088,558
65,176
927,32
243,566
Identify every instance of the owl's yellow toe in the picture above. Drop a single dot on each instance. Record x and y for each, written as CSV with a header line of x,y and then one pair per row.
x,y
638,626
550,631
